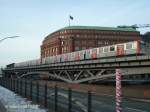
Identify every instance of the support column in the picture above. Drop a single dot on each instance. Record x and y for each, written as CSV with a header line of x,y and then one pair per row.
x,y
118,91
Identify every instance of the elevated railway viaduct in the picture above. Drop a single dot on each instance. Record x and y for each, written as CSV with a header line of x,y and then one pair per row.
x,y
133,68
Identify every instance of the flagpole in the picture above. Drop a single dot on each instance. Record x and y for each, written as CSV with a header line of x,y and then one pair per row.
x,y
69,20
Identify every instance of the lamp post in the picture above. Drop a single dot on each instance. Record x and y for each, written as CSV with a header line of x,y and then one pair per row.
x,y
8,38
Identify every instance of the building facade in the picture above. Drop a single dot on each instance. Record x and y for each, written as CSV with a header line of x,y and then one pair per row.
x,y
146,40
75,38
146,37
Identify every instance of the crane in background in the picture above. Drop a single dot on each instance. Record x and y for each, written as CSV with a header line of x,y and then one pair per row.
x,y
135,26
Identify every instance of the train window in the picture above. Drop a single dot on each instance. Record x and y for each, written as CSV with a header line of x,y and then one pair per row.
x,y
94,50
100,50
129,46
105,49
112,48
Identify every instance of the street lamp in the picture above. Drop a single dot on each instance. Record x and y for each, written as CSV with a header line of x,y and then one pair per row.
x,y
8,38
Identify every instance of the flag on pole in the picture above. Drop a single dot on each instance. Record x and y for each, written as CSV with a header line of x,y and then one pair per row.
x,y
71,17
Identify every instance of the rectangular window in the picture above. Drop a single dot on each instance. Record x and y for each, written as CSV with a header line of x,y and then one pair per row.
x,y
129,46
100,42
77,42
91,42
94,50
83,48
105,49
77,48
100,50
84,42
112,48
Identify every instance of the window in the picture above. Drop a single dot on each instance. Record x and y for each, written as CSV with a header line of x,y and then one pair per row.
x,y
129,46
85,36
94,50
106,43
100,42
100,50
83,48
77,42
53,49
62,49
84,42
77,35
76,48
62,42
91,42
112,48
105,49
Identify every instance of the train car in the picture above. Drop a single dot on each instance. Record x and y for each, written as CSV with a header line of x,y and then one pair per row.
x,y
10,65
91,53
71,56
57,59
129,48
79,55
28,63
135,47
106,51
49,60
122,49
43,60
65,57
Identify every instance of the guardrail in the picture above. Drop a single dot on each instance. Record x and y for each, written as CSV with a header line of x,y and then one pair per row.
x,y
52,97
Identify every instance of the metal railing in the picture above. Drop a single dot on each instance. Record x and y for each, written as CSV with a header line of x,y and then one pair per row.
x,y
52,97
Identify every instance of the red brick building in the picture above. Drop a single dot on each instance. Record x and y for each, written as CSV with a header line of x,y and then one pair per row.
x,y
74,38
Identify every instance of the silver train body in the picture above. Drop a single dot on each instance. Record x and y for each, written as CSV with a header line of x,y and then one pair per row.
x,y
123,49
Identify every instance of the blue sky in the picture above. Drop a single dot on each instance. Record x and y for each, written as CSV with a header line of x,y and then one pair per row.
x,y
32,20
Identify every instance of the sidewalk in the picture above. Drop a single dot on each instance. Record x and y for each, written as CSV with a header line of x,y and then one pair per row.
x,y
11,102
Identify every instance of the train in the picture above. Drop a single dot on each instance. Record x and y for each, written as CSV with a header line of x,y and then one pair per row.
x,y
117,50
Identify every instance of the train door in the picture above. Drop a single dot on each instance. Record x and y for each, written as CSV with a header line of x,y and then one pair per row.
x,y
120,50
66,57
94,53
88,54
77,56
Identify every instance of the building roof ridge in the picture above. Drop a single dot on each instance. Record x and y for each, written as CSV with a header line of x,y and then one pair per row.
x,y
98,28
